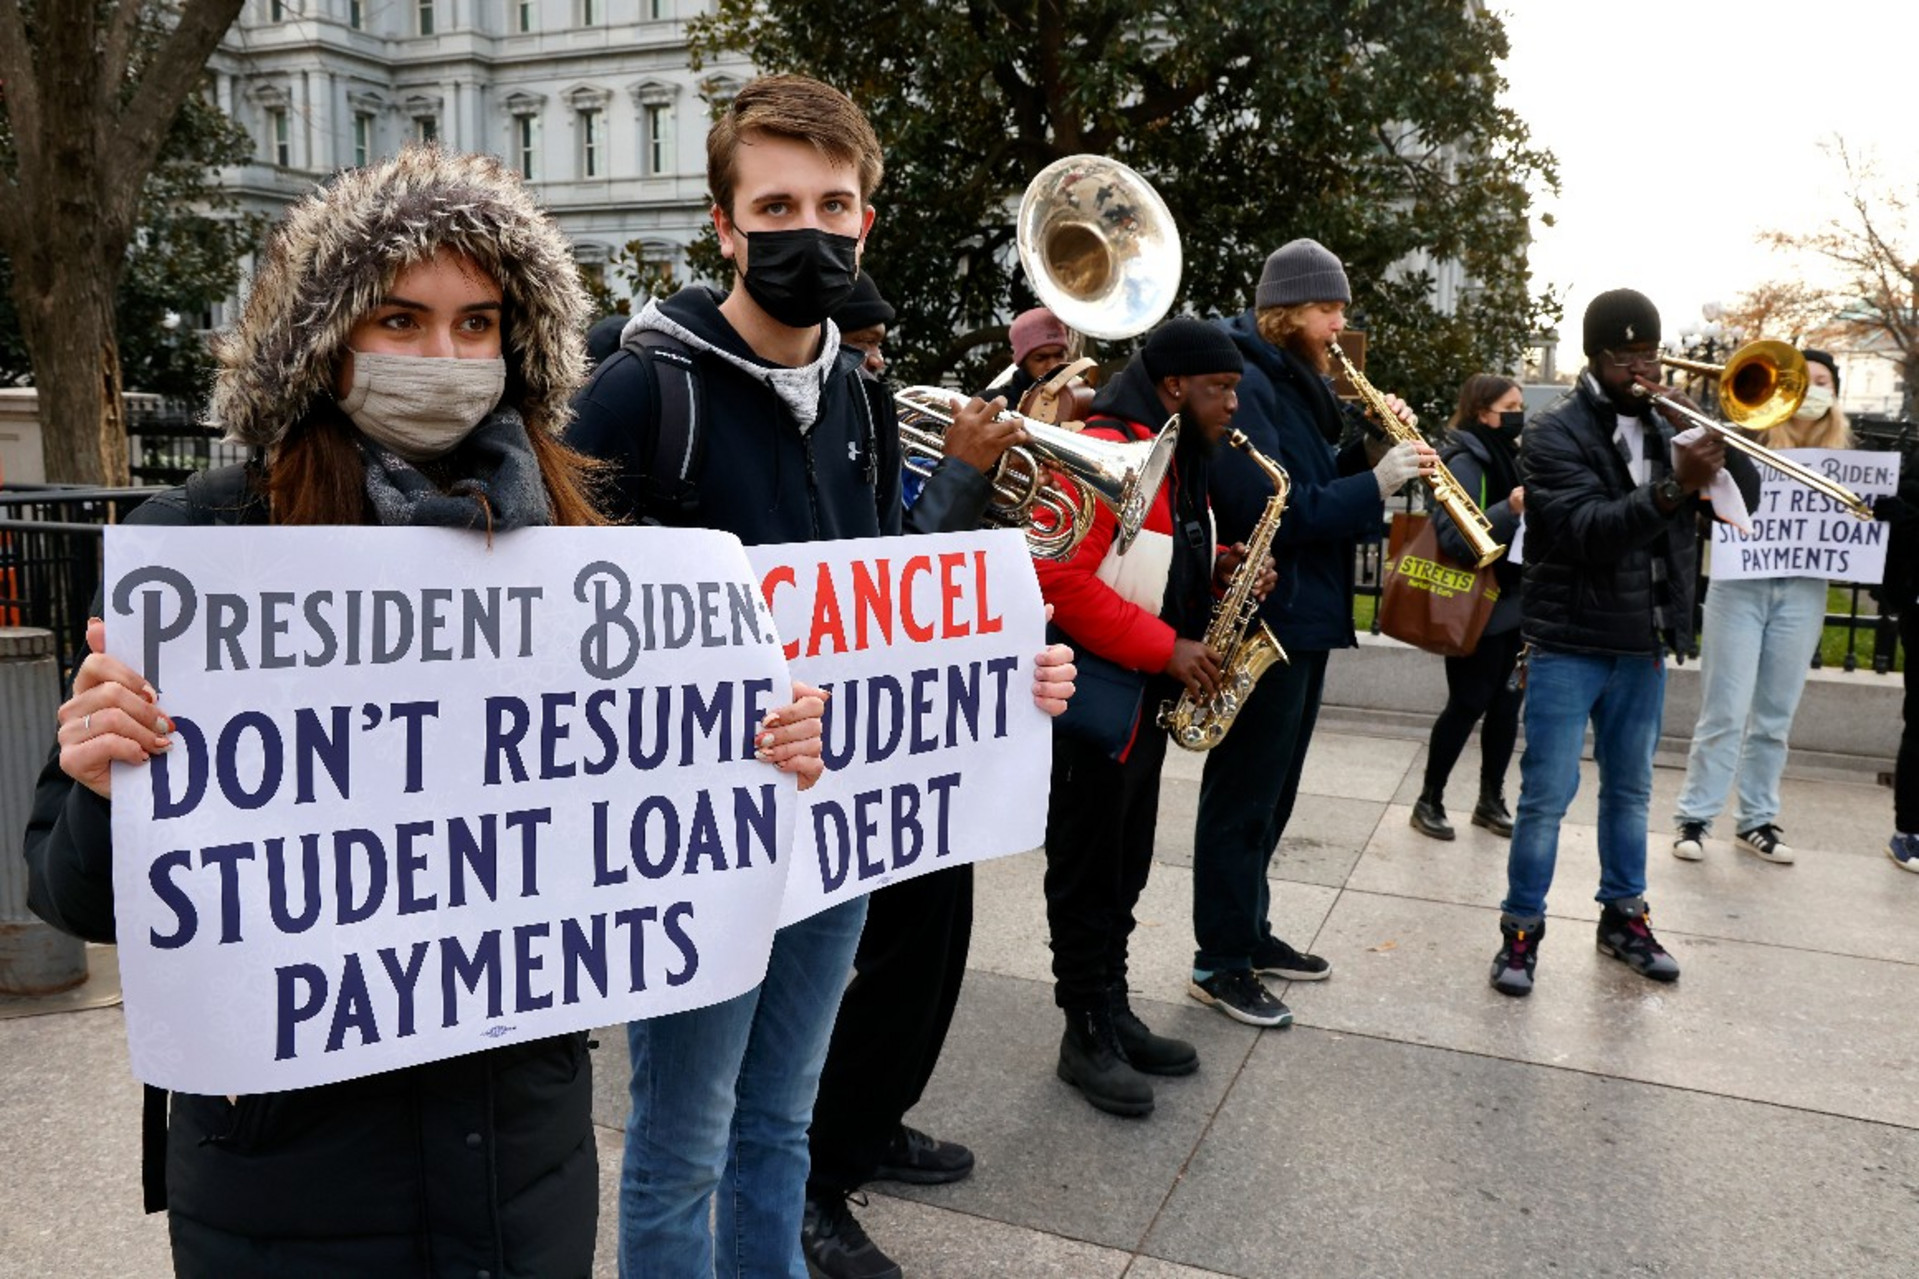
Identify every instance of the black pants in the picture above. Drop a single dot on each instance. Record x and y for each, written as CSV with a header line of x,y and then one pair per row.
x,y
1905,777
892,1022
1245,800
1476,685
1099,849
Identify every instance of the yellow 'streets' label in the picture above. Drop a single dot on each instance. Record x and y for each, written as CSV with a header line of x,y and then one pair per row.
x,y
1441,579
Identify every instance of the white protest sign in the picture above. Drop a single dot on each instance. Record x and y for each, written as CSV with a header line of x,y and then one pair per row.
x,y
427,797
936,755
1800,532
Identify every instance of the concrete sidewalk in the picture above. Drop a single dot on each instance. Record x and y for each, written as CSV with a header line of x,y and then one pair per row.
x,y
1761,1117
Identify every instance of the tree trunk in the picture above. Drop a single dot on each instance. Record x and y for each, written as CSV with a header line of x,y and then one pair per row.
x,y
66,316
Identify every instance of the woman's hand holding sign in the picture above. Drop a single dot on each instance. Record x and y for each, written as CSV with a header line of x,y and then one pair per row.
x,y
1053,675
113,714
790,735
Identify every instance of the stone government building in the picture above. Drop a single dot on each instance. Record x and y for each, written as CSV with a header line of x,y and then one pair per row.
x,y
591,100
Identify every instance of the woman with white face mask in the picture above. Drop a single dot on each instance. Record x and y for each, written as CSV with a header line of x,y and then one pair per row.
x,y
407,356
1755,653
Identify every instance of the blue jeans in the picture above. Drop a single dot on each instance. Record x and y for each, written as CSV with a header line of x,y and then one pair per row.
x,y
1760,636
722,1098
1623,697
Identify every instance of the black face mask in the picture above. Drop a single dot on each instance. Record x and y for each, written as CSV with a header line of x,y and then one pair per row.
x,y
1509,424
800,277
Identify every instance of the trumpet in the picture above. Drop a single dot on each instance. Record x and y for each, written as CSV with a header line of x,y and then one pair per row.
x,y
1760,385
1027,488
1466,515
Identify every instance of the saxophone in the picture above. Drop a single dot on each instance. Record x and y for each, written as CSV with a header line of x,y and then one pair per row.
x,y
1470,520
1247,645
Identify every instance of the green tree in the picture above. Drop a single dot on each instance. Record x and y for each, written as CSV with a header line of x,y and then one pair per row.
x,y
88,93
185,258
1373,127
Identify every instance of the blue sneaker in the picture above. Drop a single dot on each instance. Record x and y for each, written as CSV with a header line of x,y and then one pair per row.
x,y
1904,851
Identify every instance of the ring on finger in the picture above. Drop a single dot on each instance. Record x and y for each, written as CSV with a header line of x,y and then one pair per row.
x,y
86,725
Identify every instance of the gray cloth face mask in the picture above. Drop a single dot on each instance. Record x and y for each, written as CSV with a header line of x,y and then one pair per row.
x,y
421,407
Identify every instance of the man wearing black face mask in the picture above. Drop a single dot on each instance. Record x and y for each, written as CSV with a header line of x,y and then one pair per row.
x,y
1611,545
788,441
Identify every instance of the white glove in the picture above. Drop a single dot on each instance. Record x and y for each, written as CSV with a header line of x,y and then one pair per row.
x,y
1399,465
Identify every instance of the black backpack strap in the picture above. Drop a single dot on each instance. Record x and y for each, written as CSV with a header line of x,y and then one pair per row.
x,y
225,495
667,490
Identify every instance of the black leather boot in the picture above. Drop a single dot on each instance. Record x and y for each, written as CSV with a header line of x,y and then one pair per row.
x,y
1491,812
1091,1060
1429,817
1148,1053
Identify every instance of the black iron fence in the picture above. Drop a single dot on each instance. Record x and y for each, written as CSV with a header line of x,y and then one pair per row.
x,y
50,543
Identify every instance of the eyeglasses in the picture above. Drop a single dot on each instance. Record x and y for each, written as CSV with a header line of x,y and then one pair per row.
x,y
1632,360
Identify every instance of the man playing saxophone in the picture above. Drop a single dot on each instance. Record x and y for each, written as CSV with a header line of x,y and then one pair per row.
x,y
1135,621
1289,413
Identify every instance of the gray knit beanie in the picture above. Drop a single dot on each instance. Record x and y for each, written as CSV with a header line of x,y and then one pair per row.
x,y
1302,271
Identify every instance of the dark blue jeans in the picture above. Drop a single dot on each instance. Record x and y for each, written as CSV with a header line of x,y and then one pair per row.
x,y
1624,698
1245,800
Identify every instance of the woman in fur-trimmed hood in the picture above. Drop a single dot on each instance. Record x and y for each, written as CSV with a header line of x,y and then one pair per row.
x,y
405,358
286,371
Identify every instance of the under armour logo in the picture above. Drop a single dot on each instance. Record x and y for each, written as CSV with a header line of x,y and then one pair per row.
x,y
852,451
1629,333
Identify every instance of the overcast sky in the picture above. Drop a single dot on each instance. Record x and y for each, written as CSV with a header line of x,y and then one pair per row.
x,y
1683,128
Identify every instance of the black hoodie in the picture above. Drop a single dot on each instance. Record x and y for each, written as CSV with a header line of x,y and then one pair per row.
x,y
766,475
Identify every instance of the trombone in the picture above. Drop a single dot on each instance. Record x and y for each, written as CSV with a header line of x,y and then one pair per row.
x,y
1760,385
1026,493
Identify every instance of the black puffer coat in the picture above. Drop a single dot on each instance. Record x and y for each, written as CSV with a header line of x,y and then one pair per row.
x,y
1592,535
481,1165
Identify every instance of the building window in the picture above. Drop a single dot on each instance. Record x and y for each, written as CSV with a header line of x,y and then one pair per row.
x,y
525,10
592,142
362,138
589,13
525,132
279,142
658,119
356,15
424,8
658,9
426,129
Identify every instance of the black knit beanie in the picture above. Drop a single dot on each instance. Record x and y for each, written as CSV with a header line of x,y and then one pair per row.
x,y
1816,356
1620,318
1184,347
864,307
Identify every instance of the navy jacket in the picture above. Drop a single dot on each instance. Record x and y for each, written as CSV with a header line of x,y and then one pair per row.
x,y
1288,412
1592,535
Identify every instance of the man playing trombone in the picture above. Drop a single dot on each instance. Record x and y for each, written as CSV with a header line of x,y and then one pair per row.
x,y
1611,550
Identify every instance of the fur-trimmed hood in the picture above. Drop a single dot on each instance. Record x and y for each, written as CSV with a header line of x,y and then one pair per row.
x,y
335,255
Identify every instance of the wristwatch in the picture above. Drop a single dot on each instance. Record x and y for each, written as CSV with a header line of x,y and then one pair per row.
x,y
1668,493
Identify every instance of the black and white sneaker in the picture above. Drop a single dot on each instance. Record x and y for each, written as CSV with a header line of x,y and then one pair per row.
x,y
1765,843
1275,958
1241,996
834,1245
1690,844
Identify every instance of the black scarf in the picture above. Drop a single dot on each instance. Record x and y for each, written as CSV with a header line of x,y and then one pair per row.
x,y
1502,465
499,486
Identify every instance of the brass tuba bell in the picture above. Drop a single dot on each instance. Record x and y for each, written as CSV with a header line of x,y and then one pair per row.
x,y
1099,246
